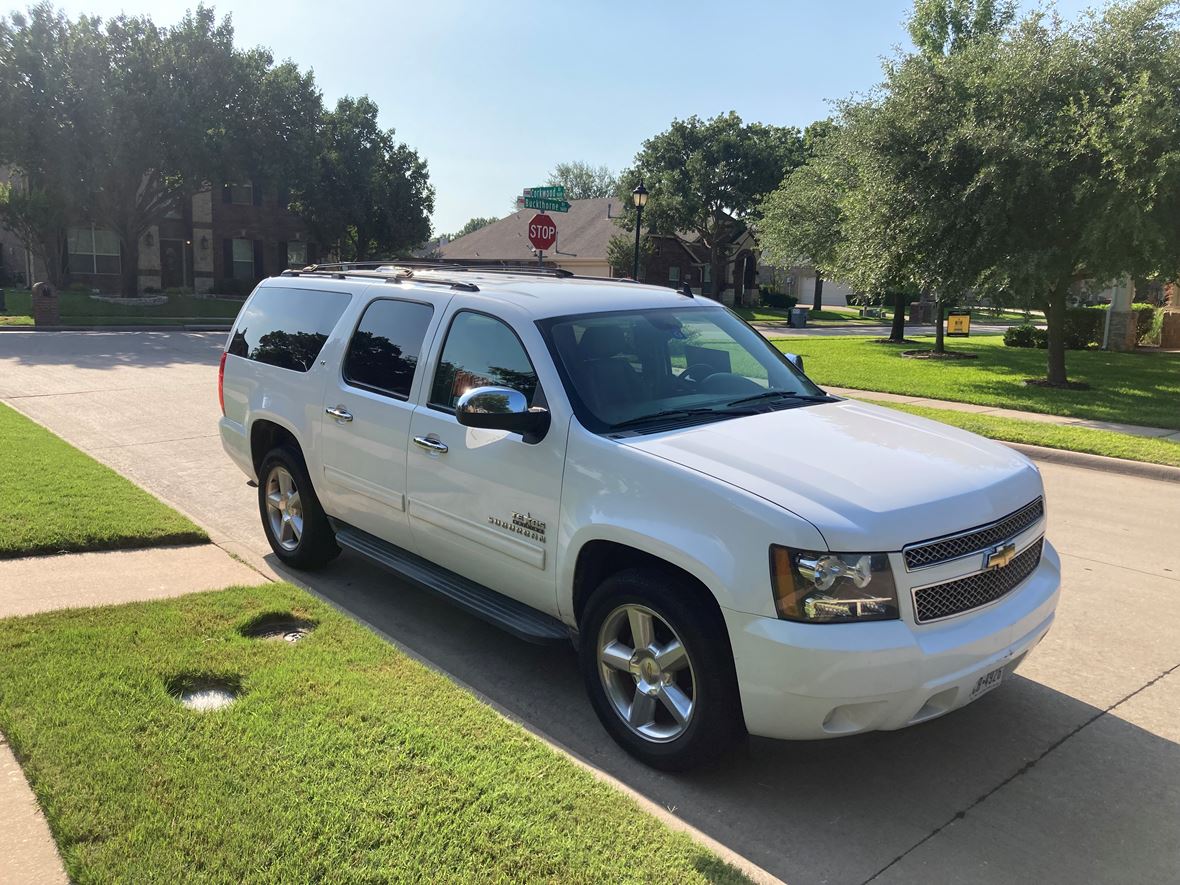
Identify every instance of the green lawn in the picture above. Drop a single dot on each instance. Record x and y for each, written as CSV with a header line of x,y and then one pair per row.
x,y
54,498
1131,388
344,760
843,316
1053,436
78,308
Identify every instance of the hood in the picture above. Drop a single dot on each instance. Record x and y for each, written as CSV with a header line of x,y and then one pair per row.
x,y
869,478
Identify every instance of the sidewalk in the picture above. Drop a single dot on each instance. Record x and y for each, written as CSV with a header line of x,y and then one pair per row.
x,y
1130,429
74,580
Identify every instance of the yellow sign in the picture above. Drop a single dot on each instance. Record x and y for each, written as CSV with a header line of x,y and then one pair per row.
x,y
959,324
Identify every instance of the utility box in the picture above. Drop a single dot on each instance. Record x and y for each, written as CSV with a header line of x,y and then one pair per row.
x,y
958,324
46,305
798,317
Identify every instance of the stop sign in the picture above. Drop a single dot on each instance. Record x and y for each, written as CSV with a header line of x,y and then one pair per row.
x,y
542,232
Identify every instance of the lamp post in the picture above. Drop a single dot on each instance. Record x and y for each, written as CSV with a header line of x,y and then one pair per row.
x,y
639,196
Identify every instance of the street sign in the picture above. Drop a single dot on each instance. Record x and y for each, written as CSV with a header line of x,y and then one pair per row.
x,y
958,324
553,192
542,232
543,203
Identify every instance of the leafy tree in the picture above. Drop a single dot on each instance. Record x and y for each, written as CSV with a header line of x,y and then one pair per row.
x,y
706,177
38,218
472,225
370,194
941,27
620,254
583,181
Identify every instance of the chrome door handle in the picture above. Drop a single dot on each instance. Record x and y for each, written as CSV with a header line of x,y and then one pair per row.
x,y
431,445
339,413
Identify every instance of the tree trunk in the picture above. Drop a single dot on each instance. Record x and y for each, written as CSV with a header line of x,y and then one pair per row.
x,y
1055,318
130,266
717,268
897,333
818,303
939,339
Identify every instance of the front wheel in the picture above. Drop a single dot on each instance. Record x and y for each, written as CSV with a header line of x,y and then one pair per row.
x,y
295,523
659,670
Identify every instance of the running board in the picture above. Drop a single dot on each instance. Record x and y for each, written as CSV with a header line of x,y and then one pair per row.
x,y
515,617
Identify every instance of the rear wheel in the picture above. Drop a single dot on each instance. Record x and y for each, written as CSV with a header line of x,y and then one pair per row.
x,y
659,670
295,523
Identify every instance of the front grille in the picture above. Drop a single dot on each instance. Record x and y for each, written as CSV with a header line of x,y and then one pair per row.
x,y
928,553
964,594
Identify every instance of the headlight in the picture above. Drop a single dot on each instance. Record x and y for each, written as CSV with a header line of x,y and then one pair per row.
x,y
832,588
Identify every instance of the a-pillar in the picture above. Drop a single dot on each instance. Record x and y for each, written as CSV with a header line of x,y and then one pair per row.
x,y
1121,331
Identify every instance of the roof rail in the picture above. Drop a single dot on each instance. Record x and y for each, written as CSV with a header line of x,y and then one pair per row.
x,y
395,274
412,264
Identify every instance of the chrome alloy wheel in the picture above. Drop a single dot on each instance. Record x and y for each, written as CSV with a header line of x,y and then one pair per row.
x,y
646,673
283,509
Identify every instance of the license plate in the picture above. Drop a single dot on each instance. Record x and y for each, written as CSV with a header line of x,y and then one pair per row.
x,y
987,682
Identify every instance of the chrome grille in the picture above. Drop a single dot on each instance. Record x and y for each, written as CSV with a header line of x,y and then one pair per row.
x,y
964,594
928,553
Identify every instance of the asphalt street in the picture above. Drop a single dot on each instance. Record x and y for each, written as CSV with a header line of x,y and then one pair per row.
x,y
1071,772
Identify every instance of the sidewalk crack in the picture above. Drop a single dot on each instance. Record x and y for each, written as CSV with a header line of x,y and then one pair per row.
x,y
1028,766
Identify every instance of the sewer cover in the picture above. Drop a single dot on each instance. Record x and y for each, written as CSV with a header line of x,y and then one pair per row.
x,y
287,627
204,693
205,699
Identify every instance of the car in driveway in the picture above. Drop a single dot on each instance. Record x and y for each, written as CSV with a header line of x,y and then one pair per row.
x,y
730,549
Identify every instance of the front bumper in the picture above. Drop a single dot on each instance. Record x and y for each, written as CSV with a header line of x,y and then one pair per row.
x,y
805,681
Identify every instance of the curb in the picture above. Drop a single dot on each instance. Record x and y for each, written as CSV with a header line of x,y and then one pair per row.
x,y
192,327
1141,469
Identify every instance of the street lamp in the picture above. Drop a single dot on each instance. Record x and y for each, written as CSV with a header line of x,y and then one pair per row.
x,y
639,196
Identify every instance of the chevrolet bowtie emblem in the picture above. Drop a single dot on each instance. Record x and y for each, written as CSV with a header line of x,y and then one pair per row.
x,y
1000,555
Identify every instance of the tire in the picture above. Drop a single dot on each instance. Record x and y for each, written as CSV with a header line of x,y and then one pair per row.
x,y
295,524
706,679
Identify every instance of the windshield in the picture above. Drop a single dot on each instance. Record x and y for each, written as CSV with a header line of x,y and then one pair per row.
x,y
623,367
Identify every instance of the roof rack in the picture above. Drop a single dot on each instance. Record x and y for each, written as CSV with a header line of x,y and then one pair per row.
x,y
412,264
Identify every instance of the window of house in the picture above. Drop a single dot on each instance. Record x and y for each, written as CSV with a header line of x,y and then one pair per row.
x,y
243,263
674,274
481,351
241,194
93,250
296,254
384,350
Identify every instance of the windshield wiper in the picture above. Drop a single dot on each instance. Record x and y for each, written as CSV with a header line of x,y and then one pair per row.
x,y
784,394
674,413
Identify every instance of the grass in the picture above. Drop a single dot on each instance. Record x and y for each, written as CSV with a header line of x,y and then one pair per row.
x,y
54,498
1053,436
78,308
343,760
1131,388
843,316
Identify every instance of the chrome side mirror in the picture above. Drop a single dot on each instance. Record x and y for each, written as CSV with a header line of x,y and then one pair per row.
x,y
502,408
795,360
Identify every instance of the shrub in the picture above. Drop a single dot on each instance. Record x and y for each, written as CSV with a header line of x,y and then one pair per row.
x,y
178,290
1020,336
1083,327
778,299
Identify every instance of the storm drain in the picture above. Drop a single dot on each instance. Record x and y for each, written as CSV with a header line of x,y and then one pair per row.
x,y
285,626
205,693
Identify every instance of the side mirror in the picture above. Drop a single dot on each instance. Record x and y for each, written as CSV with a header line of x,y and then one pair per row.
x,y
795,360
502,408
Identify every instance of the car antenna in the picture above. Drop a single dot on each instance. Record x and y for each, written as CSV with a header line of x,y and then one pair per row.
x,y
686,289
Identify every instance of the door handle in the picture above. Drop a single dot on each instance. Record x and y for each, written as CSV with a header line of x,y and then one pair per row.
x,y
339,413
431,445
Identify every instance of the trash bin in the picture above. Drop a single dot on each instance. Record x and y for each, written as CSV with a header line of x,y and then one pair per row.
x,y
798,317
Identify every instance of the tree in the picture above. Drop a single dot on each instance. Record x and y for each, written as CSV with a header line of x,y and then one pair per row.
x,y
370,194
472,225
38,218
940,27
706,177
620,254
583,181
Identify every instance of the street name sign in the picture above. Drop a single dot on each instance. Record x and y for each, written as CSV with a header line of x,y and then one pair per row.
x,y
553,192
544,204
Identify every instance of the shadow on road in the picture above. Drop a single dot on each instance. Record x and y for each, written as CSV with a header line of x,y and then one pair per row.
x,y
823,811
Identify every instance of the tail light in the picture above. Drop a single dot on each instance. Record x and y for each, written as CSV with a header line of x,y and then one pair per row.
x,y
221,382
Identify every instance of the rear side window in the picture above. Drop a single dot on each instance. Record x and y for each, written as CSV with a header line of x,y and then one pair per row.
x,y
287,327
481,351
384,350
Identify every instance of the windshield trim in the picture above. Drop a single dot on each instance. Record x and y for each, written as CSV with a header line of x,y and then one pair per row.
x,y
582,411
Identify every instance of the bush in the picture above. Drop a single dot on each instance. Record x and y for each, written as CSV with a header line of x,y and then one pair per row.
x,y
178,290
232,287
1084,327
778,299
1020,336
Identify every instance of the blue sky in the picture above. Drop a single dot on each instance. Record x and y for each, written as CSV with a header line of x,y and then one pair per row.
x,y
494,94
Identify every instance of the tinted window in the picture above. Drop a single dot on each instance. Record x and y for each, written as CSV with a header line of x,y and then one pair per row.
x,y
287,327
481,352
385,347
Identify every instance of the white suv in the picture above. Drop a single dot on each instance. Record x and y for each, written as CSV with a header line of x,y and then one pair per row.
x,y
638,470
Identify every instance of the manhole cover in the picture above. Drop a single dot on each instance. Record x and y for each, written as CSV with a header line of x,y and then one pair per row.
x,y
285,626
204,693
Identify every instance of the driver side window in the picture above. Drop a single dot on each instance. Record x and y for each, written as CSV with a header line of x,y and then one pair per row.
x,y
480,351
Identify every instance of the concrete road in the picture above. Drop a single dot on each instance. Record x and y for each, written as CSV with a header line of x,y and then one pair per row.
x,y
1069,773
782,330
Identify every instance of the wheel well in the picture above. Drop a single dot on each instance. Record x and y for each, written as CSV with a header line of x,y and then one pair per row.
x,y
264,436
598,560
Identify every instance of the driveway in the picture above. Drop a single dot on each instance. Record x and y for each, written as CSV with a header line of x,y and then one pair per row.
x,y
1069,773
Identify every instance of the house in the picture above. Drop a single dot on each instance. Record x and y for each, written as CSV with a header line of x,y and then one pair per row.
x,y
799,281
222,239
583,235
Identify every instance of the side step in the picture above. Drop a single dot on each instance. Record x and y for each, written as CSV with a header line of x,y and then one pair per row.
x,y
515,617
